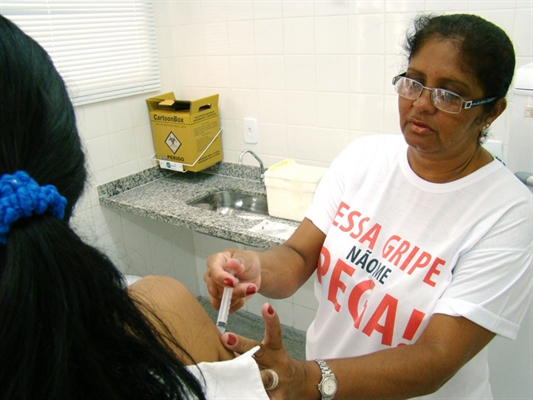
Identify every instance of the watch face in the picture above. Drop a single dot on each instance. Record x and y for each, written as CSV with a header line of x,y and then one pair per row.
x,y
329,387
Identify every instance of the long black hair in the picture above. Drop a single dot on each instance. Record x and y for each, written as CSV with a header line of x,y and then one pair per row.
x,y
68,329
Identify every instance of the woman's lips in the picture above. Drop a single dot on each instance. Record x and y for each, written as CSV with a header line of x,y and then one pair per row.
x,y
419,127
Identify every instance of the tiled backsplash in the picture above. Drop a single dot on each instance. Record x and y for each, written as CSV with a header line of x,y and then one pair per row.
x,y
315,74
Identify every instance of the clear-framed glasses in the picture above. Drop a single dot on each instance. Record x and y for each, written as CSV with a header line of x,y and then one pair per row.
x,y
443,99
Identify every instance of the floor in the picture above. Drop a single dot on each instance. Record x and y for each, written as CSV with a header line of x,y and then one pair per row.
x,y
250,325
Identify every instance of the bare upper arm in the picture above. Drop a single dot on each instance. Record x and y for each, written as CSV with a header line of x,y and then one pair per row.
x,y
454,341
307,242
186,320
286,267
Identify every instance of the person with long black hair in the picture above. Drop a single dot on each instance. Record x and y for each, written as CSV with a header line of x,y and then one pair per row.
x,y
70,328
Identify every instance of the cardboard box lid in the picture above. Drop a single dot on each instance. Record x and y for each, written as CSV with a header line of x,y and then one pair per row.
x,y
289,169
167,101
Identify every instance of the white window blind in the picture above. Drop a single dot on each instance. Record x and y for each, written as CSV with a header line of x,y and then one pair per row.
x,y
103,49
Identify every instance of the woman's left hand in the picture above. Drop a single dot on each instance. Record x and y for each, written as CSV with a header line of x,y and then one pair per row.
x,y
272,355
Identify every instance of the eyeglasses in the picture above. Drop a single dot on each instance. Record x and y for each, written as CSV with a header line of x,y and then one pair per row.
x,y
441,98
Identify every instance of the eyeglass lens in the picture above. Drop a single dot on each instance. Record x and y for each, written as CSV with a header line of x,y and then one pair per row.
x,y
442,99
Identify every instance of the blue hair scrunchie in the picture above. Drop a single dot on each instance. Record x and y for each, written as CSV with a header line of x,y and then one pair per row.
x,y
21,197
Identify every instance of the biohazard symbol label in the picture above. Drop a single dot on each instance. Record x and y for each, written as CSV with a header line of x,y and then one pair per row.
x,y
172,142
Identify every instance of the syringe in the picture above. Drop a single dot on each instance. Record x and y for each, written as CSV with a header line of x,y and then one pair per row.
x,y
223,312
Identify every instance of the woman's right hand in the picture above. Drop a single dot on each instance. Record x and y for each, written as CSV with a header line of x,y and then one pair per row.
x,y
245,276
295,377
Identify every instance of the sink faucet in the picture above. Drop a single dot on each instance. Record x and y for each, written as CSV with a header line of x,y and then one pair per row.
x,y
261,166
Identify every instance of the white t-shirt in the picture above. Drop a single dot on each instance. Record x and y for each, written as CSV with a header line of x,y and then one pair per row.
x,y
233,379
399,249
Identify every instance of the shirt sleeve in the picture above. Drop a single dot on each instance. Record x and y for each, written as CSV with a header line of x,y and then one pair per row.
x,y
233,379
491,283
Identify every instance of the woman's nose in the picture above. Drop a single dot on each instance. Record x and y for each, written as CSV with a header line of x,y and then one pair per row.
x,y
424,102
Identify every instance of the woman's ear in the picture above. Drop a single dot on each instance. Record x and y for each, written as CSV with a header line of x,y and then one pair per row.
x,y
498,109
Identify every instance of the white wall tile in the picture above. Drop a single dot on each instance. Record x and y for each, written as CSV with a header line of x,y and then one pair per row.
x,y
216,38
367,34
228,135
241,37
303,142
166,44
189,72
240,10
214,11
268,9
270,72
126,169
366,112
331,7
478,5
299,35
91,121
331,35
300,72
396,25
367,74
333,73
298,8
523,33
301,108
243,72
404,6
366,6
163,13
118,115
218,71
123,146
444,5
274,139
272,106
268,35
331,142
187,12
333,110
245,104
99,153
144,141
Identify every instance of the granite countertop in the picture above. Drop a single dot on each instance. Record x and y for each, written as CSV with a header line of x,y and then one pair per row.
x,y
165,196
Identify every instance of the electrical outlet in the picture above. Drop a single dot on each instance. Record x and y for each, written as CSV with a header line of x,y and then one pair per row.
x,y
250,130
529,111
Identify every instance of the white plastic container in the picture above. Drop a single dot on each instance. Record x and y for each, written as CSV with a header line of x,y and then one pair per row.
x,y
290,188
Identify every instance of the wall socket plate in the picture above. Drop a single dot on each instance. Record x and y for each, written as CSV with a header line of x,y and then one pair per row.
x,y
250,131
529,111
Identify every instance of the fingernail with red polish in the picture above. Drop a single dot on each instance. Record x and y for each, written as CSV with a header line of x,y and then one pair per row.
x,y
270,310
250,290
232,339
228,282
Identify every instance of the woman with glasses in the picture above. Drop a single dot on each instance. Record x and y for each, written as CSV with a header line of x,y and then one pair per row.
x,y
420,243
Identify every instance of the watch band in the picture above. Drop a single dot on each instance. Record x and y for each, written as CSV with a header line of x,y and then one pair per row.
x,y
328,384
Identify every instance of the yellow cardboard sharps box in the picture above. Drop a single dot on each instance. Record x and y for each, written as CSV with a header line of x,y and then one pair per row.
x,y
186,134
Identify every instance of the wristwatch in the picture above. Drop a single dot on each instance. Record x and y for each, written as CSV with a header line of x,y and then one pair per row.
x,y
328,385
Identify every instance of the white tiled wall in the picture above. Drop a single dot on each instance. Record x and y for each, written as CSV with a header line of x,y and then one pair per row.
x,y
315,74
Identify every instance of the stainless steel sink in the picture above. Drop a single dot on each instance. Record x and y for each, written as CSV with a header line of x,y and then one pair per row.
x,y
234,203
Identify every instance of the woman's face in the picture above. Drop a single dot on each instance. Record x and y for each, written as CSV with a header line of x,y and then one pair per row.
x,y
428,130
